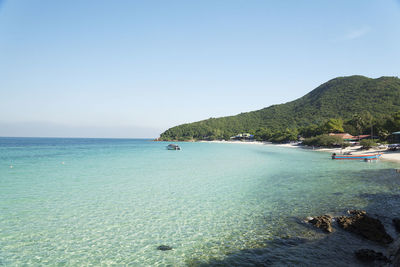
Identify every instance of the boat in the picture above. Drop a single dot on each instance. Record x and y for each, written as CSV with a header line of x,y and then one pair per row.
x,y
173,147
393,147
357,157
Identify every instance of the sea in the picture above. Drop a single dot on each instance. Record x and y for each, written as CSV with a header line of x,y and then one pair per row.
x,y
113,202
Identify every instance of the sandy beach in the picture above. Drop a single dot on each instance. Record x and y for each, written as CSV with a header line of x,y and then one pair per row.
x,y
354,150
388,155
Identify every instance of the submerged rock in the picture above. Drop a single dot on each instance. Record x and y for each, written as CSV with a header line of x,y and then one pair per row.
x,y
357,212
396,260
370,228
396,222
164,247
369,255
323,222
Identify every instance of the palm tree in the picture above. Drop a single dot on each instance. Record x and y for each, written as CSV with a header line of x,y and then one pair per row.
x,y
358,123
368,118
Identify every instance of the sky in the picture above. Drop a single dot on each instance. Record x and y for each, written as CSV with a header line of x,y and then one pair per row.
x,y
132,69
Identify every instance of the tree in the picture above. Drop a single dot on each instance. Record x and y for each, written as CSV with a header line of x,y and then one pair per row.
x,y
333,99
311,130
368,120
392,123
324,140
333,126
368,143
285,136
396,121
358,122
383,134
262,134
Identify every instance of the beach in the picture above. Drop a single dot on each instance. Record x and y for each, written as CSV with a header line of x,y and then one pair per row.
x,y
387,155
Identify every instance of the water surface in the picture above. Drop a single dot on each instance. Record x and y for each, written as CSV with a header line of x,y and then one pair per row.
x,y
113,201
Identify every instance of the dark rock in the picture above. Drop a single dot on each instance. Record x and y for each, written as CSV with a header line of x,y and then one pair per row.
x,y
368,255
396,260
163,247
323,222
396,222
357,212
370,228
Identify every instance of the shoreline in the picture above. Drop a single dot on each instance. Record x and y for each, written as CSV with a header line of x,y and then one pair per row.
x,y
392,251
392,156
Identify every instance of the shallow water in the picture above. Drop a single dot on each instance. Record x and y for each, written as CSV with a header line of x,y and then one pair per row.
x,y
113,201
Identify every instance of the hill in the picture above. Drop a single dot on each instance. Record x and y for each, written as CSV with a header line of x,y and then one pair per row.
x,y
341,97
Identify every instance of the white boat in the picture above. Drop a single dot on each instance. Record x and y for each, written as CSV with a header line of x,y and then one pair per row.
x,y
173,147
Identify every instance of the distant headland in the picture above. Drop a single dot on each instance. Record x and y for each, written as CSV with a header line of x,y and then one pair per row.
x,y
354,104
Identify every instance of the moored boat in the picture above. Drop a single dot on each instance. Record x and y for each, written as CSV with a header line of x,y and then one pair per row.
x,y
173,147
357,157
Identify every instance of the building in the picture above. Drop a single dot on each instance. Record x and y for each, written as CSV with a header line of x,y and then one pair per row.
x,y
243,136
349,137
344,136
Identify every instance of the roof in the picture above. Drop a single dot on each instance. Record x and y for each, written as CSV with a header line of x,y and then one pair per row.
x,y
343,135
349,137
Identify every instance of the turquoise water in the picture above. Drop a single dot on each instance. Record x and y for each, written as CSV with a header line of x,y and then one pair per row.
x,y
113,201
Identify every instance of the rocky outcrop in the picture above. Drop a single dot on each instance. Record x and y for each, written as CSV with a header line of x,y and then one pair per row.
x,y
369,255
164,247
323,222
396,260
396,223
360,223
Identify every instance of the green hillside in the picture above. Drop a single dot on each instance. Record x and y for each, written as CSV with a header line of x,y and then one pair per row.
x,y
341,97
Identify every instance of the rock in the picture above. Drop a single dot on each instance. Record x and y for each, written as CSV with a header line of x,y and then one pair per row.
x,y
163,247
323,222
396,223
357,212
370,228
396,260
368,255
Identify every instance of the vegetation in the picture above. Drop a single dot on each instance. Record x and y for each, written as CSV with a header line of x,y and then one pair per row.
x,y
324,140
355,104
333,126
368,143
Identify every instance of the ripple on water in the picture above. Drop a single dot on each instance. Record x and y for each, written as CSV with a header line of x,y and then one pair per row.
x,y
115,202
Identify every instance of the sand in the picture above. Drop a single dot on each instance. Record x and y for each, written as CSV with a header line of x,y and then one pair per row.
x,y
355,150
388,155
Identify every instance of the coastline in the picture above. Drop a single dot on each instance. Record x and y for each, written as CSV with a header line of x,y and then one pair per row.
x,y
393,156
392,251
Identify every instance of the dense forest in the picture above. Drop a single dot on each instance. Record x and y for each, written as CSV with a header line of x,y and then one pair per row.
x,y
354,104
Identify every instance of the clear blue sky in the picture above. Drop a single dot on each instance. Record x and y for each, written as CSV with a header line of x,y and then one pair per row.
x,y
134,68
